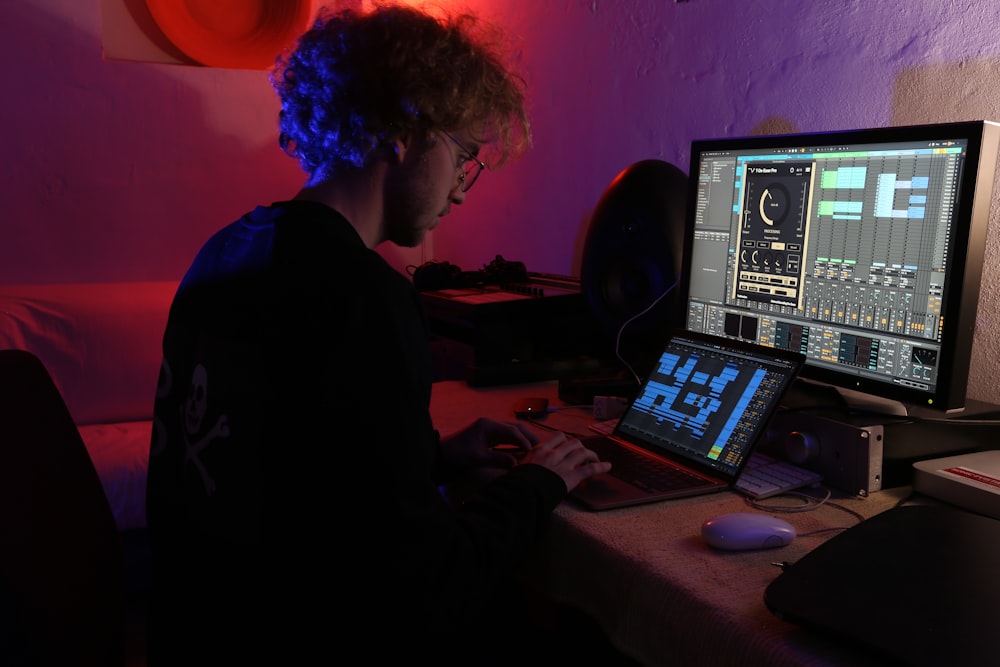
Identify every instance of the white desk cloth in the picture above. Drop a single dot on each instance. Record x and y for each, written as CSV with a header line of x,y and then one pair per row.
x,y
661,594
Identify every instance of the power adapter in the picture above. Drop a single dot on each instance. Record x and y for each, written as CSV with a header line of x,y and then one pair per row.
x,y
609,407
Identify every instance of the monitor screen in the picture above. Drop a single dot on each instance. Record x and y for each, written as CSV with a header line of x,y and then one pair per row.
x,y
862,249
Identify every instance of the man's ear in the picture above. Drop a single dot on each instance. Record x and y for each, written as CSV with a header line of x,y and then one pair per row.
x,y
399,145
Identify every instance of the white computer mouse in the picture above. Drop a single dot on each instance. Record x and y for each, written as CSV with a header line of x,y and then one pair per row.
x,y
739,531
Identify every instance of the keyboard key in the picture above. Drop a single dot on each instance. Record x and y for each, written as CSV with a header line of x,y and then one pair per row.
x,y
765,476
643,471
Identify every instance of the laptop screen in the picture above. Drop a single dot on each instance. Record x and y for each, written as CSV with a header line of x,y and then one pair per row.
x,y
708,399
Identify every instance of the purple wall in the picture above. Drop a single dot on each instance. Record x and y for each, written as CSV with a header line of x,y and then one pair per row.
x,y
119,170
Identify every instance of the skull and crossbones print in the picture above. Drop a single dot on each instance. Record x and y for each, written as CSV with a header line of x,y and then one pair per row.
x,y
193,411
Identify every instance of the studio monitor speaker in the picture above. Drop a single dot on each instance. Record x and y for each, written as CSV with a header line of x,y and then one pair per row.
x,y
633,250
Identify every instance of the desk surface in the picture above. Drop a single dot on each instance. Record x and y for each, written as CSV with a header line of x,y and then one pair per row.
x,y
662,595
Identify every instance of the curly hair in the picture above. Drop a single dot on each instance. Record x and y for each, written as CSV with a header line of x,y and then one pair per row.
x,y
356,81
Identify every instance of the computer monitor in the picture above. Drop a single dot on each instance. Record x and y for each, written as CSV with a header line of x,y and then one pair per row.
x,y
863,249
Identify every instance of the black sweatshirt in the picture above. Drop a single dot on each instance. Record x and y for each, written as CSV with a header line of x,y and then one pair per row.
x,y
293,501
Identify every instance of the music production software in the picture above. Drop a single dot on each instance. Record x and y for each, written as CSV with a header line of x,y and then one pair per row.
x,y
706,403
807,248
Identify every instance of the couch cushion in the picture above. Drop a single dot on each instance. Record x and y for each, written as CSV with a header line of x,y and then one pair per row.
x,y
101,342
120,453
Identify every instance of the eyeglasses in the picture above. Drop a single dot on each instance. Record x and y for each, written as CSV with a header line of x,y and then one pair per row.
x,y
470,164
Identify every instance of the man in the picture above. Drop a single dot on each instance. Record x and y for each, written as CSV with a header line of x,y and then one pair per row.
x,y
293,501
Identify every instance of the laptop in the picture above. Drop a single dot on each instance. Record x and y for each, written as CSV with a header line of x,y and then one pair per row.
x,y
694,423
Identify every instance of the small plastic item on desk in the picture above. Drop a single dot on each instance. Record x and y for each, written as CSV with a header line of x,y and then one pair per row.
x,y
609,407
531,407
740,531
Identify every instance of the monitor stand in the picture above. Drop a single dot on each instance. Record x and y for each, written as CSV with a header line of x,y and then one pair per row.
x,y
862,403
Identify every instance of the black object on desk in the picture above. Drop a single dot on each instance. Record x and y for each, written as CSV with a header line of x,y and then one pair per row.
x,y
916,585
530,331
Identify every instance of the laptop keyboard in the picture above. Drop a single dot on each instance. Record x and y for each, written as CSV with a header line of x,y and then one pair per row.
x,y
642,471
764,476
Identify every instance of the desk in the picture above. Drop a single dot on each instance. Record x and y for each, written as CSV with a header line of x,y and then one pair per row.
x,y
662,596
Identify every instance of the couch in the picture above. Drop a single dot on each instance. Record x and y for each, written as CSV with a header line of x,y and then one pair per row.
x,y
101,343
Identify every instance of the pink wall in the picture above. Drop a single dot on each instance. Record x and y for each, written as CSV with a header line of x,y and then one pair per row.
x,y
119,170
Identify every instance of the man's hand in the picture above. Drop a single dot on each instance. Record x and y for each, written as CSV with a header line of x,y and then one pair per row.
x,y
472,447
475,446
568,458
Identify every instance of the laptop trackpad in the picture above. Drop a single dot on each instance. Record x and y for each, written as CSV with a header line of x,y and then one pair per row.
x,y
599,489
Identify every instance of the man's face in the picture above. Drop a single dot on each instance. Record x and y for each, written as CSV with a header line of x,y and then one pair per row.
x,y
423,186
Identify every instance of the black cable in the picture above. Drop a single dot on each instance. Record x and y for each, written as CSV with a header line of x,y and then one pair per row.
x,y
618,338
